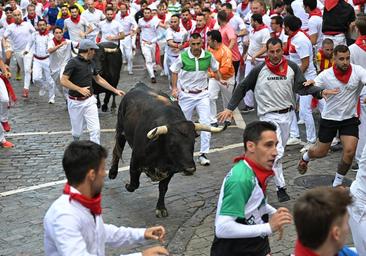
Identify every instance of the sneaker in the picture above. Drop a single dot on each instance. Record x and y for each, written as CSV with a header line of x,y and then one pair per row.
x,y
301,121
293,141
282,195
130,72
7,144
6,126
153,80
247,109
25,93
202,159
42,92
18,76
306,147
302,166
335,141
51,101
354,166
214,124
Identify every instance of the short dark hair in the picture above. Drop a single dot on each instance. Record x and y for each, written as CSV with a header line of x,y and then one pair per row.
x,y
310,3
196,35
278,4
340,48
273,41
278,19
176,15
222,16
254,130
292,22
41,20
185,9
80,157
327,41
257,18
8,9
142,2
109,9
361,24
57,27
73,7
316,211
206,10
200,14
147,8
215,35
228,5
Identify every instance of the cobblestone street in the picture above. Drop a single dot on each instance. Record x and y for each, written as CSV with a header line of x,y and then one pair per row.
x,y
31,178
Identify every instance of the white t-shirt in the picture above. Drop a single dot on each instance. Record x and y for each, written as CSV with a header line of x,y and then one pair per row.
x,y
237,23
299,11
177,37
149,29
19,35
257,39
128,23
75,29
60,57
93,18
342,106
112,28
315,27
358,57
301,48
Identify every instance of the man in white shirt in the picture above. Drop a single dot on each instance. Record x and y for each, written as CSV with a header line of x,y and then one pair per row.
x,y
20,34
129,27
94,17
73,225
300,51
315,23
148,26
76,25
110,30
339,113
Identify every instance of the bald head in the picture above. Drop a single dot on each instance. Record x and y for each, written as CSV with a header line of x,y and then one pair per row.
x,y
17,14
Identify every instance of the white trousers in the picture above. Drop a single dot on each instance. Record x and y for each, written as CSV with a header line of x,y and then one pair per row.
x,y
25,64
42,76
126,48
249,96
361,131
148,50
282,122
294,130
169,61
201,102
357,223
214,87
84,112
337,39
56,76
306,113
4,102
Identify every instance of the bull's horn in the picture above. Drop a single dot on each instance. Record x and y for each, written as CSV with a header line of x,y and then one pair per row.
x,y
207,128
157,131
110,50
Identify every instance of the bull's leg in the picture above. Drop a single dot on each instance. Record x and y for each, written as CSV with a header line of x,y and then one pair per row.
x,y
98,101
106,101
160,210
114,105
134,176
117,154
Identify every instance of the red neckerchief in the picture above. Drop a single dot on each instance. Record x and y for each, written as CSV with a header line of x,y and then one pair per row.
x,y
44,33
330,4
230,15
261,173
322,60
260,27
162,17
75,20
280,69
1,14
244,5
58,42
276,34
301,250
31,17
211,23
203,35
176,30
9,88
65,16
122,16
10,21
93,204
187,25
315,12
147,20
287,50
342,77
361,42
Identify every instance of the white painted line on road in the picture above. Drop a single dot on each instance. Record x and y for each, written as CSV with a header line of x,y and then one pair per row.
x,y
65,132
125,168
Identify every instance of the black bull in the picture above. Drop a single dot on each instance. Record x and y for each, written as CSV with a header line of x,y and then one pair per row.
x,y
108,61
161,138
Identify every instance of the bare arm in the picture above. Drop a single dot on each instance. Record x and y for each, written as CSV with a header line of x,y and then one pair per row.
x,y
232,43
314,38
102,82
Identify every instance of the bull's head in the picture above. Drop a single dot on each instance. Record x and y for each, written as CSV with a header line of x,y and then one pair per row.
x,y
101,54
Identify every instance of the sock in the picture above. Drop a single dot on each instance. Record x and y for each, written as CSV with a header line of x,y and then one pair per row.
x,y
338,180
306,157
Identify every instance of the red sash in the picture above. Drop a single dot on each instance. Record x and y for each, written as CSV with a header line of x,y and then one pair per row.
x,y
9,88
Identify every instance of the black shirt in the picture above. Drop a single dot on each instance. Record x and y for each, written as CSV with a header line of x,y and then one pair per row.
x,y
80,72
139,15
338,18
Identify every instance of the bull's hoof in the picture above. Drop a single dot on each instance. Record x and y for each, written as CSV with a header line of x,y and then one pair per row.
x,y
161,213
104,108
112,173
131,188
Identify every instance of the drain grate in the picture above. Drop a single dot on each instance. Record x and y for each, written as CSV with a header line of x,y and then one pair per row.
x,y
312,181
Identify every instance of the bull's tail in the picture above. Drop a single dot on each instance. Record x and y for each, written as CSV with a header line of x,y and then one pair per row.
x,y
117,154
